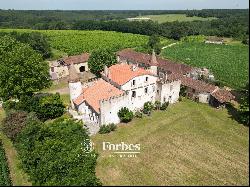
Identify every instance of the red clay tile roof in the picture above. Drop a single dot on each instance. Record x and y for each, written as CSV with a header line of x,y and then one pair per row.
x,y
198,85
100,90
146,59
76,59
223,96
122,73
174,77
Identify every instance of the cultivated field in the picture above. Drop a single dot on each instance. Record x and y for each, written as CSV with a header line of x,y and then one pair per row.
x,y
189,144
229,63
76,42
175,17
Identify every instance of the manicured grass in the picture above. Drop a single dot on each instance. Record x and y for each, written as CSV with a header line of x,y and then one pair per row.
x,y
175,17
18,177
189,144
229,63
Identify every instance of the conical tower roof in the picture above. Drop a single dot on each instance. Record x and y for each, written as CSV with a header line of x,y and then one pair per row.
x,y
153,60
73,76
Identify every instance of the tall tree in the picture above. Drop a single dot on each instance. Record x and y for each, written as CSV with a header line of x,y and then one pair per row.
x,y
22,70
101,58
154,44
244,107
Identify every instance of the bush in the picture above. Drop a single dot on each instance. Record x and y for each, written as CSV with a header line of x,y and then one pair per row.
x,y
14,123
147,108
164,106
138,114
125,115
107,128
180,98
4,168
57,154
157,105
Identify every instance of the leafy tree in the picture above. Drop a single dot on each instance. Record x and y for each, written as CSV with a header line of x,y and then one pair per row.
x,y
57,154
22,70
13,123
154,44
244,107
100,58
125,115
36,40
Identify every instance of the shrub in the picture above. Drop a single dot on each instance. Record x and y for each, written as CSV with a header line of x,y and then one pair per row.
x,y
57,153
180,98
125,115
14,123
157,105
138,114
164,106
104,129
147,108
4,168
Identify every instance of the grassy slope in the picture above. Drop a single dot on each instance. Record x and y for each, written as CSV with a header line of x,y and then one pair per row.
x,y
175,17
190,144
229,63
18,177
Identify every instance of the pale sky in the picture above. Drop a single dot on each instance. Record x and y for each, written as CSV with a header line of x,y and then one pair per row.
x,y
122,4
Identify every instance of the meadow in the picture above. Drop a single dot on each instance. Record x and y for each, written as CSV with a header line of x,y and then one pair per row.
x,y
189,144
229,63
162,18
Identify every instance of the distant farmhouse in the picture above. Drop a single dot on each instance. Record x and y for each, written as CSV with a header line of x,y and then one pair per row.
x,y
214,40
60,68
136,79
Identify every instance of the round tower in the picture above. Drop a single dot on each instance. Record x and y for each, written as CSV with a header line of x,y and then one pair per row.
x,y
153,64
75,86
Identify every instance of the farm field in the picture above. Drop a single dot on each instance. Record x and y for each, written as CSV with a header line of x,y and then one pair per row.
x,y
189,144
175,17
229,63
76,42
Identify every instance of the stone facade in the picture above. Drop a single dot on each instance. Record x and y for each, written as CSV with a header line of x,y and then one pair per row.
x,y
132,87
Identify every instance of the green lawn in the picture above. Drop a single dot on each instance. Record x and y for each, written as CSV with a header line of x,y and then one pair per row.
x,y
18,177
175,17
189,144
229,63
